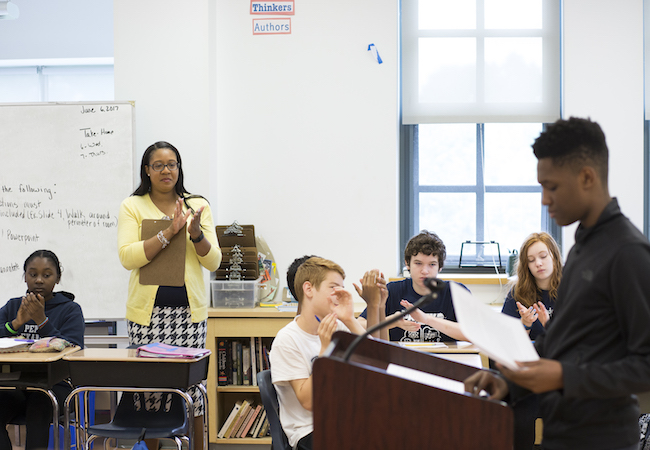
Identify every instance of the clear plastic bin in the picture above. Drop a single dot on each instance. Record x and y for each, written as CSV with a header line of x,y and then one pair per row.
x,y
235,294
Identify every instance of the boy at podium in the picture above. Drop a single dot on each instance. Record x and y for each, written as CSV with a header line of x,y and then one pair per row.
x,y
325,307
595,353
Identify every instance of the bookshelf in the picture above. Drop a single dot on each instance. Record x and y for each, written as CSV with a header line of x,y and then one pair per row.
x,y
233,323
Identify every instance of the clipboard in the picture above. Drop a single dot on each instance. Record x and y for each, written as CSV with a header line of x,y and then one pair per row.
x,y
168,267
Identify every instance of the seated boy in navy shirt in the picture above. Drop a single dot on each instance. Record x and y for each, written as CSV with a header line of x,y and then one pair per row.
x,y
424,256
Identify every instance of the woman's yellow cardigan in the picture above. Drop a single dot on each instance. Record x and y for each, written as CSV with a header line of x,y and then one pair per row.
x,y
140,301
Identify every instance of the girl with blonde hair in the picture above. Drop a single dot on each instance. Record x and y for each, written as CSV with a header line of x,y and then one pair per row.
x,y
534,292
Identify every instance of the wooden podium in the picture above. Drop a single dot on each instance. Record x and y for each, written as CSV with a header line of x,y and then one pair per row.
x,y
357,404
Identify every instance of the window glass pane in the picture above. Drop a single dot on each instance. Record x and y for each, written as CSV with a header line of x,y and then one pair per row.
x,y
451,216
447,154
510,217
19,88
513,14
509,158
80,87
513,70
447,70
447,15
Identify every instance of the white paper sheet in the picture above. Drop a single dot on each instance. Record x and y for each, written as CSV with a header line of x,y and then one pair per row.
x,y
11,343
501,337
426,378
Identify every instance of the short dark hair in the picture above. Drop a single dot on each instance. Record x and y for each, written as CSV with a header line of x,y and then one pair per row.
x,y
427,243
291,273
45,254
577,142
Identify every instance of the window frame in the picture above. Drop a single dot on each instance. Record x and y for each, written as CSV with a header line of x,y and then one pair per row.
x,y
411,189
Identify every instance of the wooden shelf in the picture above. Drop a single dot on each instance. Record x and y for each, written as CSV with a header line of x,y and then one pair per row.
x,y
236,323
249,441
237,389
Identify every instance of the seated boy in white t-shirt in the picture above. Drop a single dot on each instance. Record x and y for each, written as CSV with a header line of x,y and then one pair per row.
x,y
325,307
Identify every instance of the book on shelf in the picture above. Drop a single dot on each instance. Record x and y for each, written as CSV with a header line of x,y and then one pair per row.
x,y
236,425
267,362
254,364
234,361
244,423
239,360
240,363
246,364
233,413
251,419
223,358
259,424
256,420
265,428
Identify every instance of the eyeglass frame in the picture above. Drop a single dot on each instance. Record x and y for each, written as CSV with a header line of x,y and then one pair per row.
x,y
178,166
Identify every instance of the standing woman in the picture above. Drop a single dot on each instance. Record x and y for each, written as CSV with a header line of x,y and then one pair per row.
x,y
168,314
539,272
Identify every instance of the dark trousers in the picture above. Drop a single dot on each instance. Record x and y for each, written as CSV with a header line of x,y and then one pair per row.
x,y
305,443
36,407
525,413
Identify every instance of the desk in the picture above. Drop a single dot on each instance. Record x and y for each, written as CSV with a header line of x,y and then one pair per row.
x,y
465,353
114,369
38,372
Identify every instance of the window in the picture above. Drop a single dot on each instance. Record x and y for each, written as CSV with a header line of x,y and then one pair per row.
x,y
479,80
475,182
57,80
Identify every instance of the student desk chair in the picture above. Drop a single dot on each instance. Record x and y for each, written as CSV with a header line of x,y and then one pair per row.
x,y
37,372
269,396
113,369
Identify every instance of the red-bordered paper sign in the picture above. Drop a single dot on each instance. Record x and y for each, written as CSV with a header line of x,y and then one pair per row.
x,y
272,26
273,8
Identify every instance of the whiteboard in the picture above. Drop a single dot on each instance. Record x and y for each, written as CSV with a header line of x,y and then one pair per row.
x,y
64,170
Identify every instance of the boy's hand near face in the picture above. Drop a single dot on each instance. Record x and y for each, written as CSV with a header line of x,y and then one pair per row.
x,y
342,305
326,329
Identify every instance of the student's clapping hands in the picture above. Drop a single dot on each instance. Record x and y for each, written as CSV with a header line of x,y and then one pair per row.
x,y
342,304
326,329
373,288
32,307
409,325
530,315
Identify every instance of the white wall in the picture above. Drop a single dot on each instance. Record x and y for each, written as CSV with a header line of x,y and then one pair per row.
x,y
162,62
307,132
304,145
603,79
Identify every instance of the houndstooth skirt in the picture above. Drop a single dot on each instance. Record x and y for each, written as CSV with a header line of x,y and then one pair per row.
x,y
173,326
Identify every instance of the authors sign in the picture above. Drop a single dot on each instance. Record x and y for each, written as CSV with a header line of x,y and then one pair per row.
x,y
272,26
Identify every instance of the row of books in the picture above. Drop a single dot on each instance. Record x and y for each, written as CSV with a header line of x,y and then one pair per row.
x,y
246,420
239,360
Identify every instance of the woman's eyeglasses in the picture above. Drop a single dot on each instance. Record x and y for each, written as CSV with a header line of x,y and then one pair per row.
x,y
158,166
